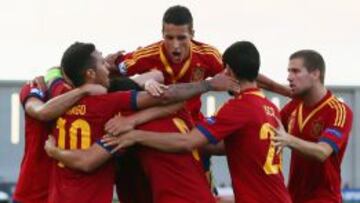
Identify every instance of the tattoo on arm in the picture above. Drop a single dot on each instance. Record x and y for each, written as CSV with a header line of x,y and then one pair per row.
x,y
186,90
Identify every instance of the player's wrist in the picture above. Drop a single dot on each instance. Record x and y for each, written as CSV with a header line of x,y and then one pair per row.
x,y
207,86
136,136
291,141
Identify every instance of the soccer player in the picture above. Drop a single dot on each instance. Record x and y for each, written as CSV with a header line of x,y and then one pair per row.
x,y
82,125
318,127
244,123
33,181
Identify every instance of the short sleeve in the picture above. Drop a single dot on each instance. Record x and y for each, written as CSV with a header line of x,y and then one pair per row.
x,y
230,118
123,100
28,92
215,63
336,133
136,62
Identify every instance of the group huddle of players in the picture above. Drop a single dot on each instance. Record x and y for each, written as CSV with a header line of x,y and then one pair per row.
x,y
90,125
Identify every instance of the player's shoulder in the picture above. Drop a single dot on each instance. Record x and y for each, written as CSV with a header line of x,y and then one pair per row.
x,y
205,49
337,103
237,104
149,50
292,104
339,109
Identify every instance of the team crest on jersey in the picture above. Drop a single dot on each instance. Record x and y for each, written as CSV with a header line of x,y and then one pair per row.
x,y
317,128
198,74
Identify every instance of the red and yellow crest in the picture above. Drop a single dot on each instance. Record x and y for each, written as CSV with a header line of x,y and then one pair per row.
x,y
317,128
198,74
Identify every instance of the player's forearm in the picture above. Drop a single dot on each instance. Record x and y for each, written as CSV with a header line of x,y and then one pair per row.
x,y
168,142
184,91
80,160
74,159
270,85
57,106
309,149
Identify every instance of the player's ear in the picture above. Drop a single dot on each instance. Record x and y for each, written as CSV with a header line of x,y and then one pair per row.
x,y
90,74
228,71
315,74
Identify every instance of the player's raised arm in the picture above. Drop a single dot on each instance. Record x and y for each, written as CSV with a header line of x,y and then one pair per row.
x,y
270,85
184,91
58,105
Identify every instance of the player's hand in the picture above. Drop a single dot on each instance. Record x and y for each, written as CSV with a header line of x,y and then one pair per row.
x,y
281,138
111,59
154,88
93,89
223,82
120,142
39,82
119,124
50,146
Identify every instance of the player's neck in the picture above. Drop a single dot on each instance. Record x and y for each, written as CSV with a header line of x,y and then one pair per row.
x,y
314,95
245,85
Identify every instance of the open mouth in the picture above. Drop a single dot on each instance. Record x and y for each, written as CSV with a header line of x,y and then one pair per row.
x,y
176,53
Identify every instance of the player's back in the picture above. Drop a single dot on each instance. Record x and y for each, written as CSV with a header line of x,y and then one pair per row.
x,y
255,168
79,128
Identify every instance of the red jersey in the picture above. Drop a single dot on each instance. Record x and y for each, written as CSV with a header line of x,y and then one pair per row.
x,y
245,125
33,181
79,128
204,61
327,121
175,178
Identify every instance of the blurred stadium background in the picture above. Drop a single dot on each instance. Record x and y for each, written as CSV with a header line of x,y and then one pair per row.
x,y
12,140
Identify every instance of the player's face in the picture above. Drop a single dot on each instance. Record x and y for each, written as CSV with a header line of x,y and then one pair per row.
x,y
102,73
177,39
300,79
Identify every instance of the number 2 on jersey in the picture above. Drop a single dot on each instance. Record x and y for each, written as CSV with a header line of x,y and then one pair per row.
x,y
269,167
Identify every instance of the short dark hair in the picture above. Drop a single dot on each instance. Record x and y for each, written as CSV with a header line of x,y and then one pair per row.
x,y
178,15
123,84
76,60
312,61
243,59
